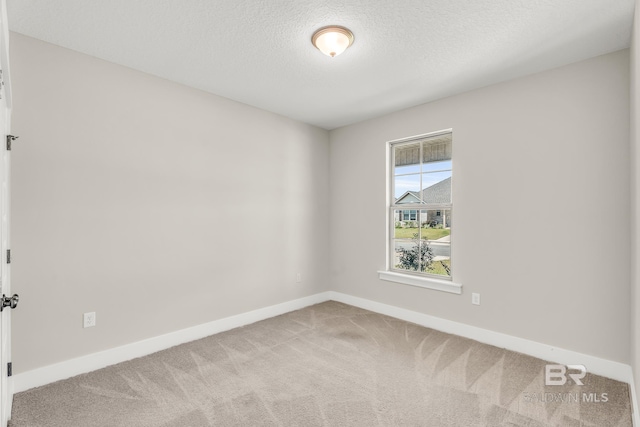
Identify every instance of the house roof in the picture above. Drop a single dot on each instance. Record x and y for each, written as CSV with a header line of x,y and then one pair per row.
x,y
415,194
440,192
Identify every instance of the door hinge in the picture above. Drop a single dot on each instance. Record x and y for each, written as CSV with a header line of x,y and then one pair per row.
x,y
10,138
8,256
9,369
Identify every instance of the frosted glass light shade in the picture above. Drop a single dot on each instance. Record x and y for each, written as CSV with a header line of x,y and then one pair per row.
x,y
332,41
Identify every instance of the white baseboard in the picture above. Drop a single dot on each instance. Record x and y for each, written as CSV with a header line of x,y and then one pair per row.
x,y
635,412
91,362
606,368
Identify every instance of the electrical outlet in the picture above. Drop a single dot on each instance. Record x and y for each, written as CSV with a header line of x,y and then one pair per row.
x,y
475,299
298,277
89,319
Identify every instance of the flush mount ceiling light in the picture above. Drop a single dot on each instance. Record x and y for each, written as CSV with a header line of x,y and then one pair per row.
x,y
332,40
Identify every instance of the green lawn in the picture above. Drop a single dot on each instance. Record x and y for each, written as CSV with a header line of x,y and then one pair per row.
x,y
428,233
437,267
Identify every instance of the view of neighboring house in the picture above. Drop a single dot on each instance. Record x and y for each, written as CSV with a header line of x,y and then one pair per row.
x,y
439,192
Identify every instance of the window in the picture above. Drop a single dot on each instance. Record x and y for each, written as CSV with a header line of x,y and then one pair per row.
x,y
411,215
421,206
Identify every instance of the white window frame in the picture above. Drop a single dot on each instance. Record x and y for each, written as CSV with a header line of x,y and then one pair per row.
x,y
419,279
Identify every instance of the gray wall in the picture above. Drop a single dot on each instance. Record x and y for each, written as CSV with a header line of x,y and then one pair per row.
x,y
550,153
136,198
635,200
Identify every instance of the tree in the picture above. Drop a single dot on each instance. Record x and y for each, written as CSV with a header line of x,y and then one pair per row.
x,y
417,258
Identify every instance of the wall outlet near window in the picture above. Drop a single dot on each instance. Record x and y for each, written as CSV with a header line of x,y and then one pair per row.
x,y
475,299
298,277
89,319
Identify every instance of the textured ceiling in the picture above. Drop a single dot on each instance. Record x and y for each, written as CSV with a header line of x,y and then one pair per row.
x,y
259,52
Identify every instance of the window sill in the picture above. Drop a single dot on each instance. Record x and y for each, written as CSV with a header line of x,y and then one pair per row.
x,y
421,282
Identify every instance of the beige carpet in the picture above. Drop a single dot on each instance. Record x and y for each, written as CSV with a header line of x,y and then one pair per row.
x,y
326,365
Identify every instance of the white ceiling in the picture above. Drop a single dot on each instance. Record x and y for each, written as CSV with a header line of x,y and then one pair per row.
x,y
259,52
